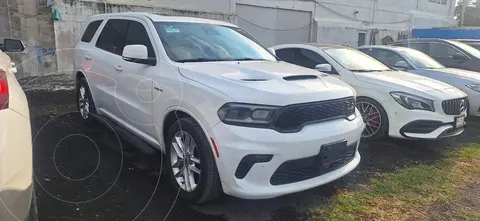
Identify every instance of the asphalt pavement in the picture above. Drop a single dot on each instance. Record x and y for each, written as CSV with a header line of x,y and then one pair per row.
x,y
91,174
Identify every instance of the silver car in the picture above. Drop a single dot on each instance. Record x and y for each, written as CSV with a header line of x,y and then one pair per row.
x,y
417,62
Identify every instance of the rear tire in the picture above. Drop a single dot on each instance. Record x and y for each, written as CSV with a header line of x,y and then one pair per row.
x,y
85,104
374,117
208,186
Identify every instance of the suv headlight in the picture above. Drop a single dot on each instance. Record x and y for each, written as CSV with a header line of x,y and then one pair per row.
x,y
247,114
411,101
475,87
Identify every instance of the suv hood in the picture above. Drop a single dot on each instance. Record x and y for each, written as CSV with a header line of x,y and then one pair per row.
x,y
266,82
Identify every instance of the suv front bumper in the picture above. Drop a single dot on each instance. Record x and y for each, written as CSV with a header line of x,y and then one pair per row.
x,y
276,150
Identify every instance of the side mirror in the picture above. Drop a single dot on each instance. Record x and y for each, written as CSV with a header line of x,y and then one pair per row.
x,y
401,65
459,57
272,51
13,45
324,68
137,54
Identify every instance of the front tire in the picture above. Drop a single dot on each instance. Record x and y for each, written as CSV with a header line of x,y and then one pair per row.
x,y
374,117
189,157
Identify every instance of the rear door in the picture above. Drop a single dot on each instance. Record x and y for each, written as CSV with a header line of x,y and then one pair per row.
x,y
84,53
108,65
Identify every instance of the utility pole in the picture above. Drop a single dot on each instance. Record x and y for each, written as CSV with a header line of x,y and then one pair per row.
x,y
462,15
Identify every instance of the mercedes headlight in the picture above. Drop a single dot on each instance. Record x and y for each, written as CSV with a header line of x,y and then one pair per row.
x,y
475,87
412,102
247,114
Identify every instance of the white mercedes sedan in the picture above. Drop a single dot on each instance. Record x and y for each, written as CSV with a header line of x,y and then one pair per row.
x,y
417,62
392,103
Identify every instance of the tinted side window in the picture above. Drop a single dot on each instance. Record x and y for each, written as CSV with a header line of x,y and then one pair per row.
x,y
287,54
137,34
112,38
440,50
91,30
308,59
423,47
387,57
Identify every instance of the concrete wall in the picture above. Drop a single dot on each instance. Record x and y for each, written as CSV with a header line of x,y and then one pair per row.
x,y
76,13
31,22
222,6
275,25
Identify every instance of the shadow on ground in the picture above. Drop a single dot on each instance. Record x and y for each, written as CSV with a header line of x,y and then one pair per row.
x,y
85,174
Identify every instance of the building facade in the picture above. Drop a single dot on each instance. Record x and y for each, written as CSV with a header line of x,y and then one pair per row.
x,y
346,22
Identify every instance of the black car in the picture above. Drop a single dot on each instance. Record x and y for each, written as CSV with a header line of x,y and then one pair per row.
x,y
450,53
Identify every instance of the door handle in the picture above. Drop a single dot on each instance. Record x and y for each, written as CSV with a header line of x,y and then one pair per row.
x,y
88,57
118,68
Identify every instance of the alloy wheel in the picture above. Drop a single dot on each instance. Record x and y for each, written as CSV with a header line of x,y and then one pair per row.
x,y
185,161
83,103
371,117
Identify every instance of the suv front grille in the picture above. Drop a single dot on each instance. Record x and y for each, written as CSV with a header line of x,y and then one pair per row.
x,y
292,118
455,106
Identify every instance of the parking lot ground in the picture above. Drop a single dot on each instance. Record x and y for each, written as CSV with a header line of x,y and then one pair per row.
x,y
89,174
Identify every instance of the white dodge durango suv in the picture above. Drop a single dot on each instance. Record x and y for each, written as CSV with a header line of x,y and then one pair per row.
x,y
392,103
227,115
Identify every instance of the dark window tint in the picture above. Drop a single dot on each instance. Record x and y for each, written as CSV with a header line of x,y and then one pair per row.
x,y
308,59
302,57
90,30
112,38
387,57
137,34
287,55
423,47
440,50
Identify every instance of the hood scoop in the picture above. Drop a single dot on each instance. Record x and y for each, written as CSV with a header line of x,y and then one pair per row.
x,y
254,79
300,77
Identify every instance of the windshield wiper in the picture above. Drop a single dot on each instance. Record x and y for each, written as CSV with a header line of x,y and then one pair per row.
x,y
249,59
361,70
221,59
199,60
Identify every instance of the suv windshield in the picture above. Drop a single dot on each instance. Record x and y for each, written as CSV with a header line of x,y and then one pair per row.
x,y
420,59
471,50
197,42
355,60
